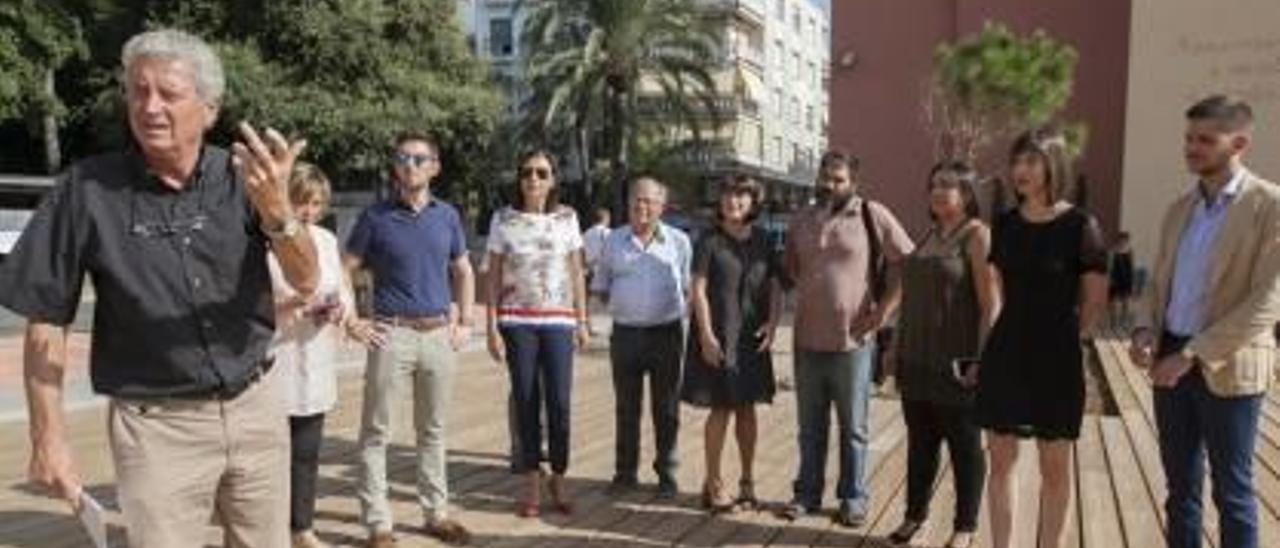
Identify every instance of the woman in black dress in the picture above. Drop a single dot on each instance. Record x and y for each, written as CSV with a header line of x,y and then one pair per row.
x,y
737,300
1052,263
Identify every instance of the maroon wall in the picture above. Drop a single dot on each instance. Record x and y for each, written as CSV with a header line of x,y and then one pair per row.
x,y
877,104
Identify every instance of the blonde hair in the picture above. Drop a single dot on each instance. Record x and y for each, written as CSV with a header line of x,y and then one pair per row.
x,y
308,182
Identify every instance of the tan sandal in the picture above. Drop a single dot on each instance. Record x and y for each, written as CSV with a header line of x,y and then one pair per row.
x,y
961,539
714,498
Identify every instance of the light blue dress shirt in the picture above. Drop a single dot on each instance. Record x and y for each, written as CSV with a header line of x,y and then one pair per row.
x,y
646,286
1194,262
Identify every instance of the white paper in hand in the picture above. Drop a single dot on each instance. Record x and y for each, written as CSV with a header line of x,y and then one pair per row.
x,y
91,518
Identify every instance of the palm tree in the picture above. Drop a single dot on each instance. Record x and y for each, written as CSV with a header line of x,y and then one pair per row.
x,y
593,61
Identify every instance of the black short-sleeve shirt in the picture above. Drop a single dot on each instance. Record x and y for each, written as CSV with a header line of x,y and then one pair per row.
x,y
183,293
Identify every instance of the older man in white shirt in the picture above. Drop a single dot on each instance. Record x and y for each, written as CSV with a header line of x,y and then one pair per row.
x,y
643,273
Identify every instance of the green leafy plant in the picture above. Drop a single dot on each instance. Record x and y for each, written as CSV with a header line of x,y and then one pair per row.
x,y
996,83
594,63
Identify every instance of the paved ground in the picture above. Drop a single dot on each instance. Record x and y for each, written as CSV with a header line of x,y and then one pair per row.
x,y
1118,481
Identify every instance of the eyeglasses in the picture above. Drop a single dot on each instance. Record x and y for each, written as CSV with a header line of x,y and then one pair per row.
x,y
415,160
540,173
944,183
162,229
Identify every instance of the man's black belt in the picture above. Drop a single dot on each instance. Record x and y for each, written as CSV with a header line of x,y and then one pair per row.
x,y
673,324
232,390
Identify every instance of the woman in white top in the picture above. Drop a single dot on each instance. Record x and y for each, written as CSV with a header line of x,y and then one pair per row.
x,y
306,345
536,318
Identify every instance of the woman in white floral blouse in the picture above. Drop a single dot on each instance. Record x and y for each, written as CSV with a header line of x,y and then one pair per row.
x,y
536,319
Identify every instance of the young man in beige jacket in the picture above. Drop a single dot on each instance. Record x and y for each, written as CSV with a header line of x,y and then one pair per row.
x,y
1208,342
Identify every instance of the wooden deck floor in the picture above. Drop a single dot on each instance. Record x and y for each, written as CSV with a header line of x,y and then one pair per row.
x,y
1119,481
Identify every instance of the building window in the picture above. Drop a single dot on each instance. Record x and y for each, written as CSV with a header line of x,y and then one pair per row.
x,y
780,6
777,149
808,117
777,101
501,41
795,23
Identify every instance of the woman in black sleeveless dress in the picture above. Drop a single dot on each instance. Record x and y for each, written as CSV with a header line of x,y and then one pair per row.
x,y
1052,264
737,301
948,304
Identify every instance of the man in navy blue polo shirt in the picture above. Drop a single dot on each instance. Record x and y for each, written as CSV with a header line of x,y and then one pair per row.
x,y
423,291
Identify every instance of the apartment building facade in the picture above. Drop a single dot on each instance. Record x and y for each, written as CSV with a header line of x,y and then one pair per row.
x,y
771,77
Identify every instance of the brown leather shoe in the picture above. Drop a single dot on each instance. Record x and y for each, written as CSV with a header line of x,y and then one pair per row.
x,y
307,539
448,531
381,540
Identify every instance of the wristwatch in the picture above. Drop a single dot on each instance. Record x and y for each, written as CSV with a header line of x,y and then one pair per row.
x,y
1190,355
287,229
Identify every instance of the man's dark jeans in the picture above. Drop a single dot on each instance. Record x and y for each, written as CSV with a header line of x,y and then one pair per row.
x,y
1192,421
656,351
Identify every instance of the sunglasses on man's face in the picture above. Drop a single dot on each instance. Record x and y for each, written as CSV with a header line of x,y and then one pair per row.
x,y
540,173
415,160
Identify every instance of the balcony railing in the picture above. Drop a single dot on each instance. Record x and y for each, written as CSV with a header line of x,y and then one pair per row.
x,y
728,107
751,10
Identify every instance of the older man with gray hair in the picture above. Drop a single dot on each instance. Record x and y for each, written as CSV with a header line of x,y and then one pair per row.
x,y
174,234
643,274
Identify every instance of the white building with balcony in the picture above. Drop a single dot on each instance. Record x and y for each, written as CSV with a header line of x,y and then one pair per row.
x,y
772,80
780,51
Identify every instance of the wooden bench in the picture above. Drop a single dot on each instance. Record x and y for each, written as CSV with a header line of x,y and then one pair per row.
x,y
1137,471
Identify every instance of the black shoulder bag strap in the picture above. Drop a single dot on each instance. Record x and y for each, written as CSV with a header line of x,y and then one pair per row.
x,y
875,262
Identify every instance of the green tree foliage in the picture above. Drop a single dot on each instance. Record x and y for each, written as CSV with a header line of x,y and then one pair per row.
x,y
37,37
995,83
348,75
592,62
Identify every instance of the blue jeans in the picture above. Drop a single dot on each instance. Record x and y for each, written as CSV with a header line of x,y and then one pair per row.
x,y
540,361
1191,422
843,379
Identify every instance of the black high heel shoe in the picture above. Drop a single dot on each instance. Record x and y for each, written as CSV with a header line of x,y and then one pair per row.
x,y
904,532
747,495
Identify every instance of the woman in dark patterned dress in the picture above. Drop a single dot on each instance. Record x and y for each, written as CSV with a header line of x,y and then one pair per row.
x,y
1052,264
737,301
948,304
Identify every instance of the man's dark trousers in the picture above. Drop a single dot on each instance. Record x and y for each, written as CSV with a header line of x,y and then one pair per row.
x,y
1192,422
656,351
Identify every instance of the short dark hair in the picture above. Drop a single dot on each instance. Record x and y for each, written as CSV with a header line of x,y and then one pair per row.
x,y
553,196
603,214
1050,145
738,184
1232,112
965,176
836,158
410,135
